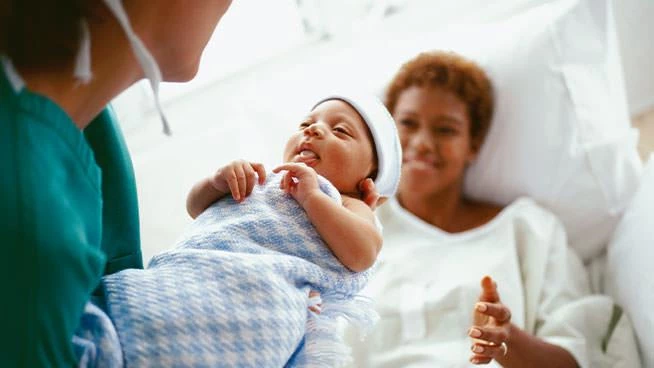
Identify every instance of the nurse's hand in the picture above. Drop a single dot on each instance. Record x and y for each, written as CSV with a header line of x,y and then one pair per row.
x,y
491,325
369,194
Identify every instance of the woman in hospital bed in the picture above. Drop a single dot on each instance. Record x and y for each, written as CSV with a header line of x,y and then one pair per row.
x,y
437,305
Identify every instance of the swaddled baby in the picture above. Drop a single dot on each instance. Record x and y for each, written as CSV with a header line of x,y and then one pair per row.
x,y
235,289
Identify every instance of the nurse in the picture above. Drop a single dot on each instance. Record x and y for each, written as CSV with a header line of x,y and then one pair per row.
x,y
68,207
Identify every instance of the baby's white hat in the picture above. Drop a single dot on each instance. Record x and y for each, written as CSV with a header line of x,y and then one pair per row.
x,y
384,133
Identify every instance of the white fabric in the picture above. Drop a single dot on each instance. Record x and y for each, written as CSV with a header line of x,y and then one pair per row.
x,y
83,70
561,132
524,249
630,254
17,82
143,56
384,133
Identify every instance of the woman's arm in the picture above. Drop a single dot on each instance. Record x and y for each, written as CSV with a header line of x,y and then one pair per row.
x,y
495,337
348,229
526,350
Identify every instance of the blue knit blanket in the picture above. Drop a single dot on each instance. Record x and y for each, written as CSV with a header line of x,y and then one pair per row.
x,y
234,291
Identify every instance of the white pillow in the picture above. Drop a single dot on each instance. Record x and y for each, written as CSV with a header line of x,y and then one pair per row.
x,y
561,131
629,275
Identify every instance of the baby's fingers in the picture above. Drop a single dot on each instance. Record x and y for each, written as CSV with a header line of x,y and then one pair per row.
x,y
250,178
261,172
241,179
232,182
287,182
499,311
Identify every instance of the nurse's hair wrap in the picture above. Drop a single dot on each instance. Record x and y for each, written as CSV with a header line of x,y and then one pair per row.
x,y
143,56
384,134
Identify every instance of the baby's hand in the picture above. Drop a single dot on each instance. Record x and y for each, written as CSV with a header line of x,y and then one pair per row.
x,y
491,326
300,181
238,177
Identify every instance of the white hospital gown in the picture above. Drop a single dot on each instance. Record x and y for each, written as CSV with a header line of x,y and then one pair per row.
x,y
428,282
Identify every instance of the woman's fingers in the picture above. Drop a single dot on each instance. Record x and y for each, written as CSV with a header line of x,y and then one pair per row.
x,y
480,359
489,290
499,311
369,194
495,335
486,350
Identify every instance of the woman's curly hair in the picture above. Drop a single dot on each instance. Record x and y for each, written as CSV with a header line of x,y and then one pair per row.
x,y
452,72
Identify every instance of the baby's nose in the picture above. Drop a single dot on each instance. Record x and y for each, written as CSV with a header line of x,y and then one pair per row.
x,y
313,130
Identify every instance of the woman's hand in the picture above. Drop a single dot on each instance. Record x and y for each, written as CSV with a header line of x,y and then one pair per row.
x,y
369,194
300,181
491,325
239,178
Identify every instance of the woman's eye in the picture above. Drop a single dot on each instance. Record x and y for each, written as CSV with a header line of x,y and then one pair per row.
x,y
407,123
446,130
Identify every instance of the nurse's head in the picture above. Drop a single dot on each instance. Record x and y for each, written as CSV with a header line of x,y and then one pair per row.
x,y
46,34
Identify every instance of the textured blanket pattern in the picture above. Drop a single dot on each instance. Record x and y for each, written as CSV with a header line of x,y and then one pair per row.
x,y
234,291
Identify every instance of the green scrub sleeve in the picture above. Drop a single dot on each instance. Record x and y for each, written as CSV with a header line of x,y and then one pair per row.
x,y
65,220
120,225
51,231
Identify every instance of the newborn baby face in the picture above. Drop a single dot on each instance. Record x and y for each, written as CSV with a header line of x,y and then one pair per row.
x,y
335,141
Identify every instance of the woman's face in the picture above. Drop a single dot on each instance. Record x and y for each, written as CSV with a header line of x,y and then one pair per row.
x,y
434,128
176,32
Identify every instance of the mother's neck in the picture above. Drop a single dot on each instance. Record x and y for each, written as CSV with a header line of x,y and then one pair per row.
x,y
114,69
442,209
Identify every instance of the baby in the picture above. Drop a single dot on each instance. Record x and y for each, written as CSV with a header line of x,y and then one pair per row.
x,y
234,291
334,141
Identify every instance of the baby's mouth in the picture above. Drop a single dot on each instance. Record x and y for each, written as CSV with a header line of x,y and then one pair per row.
x,y
307,156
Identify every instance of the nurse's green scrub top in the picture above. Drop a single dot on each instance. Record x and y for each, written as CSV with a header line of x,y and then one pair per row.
x,y
68,215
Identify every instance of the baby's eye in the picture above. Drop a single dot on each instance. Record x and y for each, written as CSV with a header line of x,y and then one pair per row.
x,y
304,124
341,130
